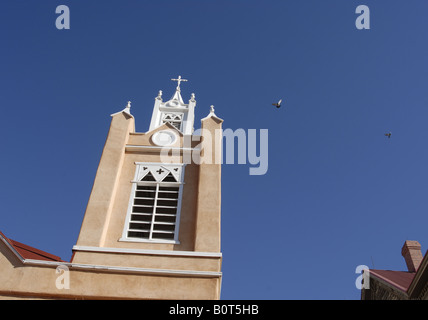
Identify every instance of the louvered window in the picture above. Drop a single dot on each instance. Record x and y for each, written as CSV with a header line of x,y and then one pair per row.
x,y
154,208
173,118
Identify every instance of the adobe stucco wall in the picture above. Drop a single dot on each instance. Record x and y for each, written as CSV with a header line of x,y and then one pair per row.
x,y
18,280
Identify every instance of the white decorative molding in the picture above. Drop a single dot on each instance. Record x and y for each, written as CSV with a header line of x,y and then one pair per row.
x,y
212,115
159,97
173,118
126,110
159,171
160,241
157,149
164,138
119,269
150,252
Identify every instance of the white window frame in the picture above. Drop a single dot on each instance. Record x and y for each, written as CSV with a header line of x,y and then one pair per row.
x,y
139,174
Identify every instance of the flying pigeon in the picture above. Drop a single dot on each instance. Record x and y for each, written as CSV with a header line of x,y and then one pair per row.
x,y
388,135
278,104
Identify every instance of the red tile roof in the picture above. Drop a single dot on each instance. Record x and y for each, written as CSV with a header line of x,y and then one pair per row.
x,y
399,279
28,252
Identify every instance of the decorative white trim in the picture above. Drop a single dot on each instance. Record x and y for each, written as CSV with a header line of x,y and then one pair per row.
x,y
150,252
167,108
90,267
127,110
156,164
124,239
175,117
212,115
135,148
150,271
162,183
159,171
164,138
180,197
11,248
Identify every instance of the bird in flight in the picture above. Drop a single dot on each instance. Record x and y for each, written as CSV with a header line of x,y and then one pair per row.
x,y
388,135
278,104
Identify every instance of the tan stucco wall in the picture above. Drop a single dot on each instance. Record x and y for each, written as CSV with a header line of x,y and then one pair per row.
x,y
151,261
99,208
208,220
109,213
121,203
19,280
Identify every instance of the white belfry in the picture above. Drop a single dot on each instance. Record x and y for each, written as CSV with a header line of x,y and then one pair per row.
x,y
174,111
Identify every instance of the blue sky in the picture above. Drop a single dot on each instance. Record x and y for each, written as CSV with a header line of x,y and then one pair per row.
x,y
337,194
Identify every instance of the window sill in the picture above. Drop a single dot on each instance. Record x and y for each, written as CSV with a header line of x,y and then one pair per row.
x,y
149,241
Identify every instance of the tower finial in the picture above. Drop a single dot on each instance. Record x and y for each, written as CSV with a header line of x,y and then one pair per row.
x,y
159,97
128,108
179,80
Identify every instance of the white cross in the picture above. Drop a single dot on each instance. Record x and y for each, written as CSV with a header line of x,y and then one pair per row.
x,y
179,82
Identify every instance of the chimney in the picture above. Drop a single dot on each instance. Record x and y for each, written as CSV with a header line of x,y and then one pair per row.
x,y
411,252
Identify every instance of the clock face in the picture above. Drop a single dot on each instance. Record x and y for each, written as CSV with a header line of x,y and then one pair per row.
x,y
164,138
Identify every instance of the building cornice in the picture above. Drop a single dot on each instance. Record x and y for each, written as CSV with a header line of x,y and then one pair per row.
x,y
116,269
149,252
136,148
120,269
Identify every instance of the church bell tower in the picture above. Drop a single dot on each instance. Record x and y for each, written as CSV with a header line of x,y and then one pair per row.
x,y
153,216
